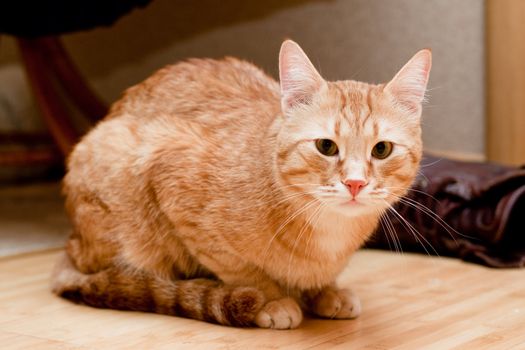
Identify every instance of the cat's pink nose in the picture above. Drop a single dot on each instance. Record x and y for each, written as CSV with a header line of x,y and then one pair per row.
x,y
355,186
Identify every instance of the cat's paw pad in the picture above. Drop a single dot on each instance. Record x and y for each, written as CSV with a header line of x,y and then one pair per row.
x,y
340,303
280,314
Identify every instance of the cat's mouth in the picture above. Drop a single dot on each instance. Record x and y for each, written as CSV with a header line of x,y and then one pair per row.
x,y
352,203
361,202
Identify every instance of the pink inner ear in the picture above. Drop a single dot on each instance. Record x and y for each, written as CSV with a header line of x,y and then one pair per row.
x,y
299,79
410,98
296,99
409,85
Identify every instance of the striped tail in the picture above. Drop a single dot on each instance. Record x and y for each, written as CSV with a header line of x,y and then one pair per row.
x,y
201,299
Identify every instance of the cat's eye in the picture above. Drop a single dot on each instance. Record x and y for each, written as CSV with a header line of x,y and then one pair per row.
x,y
326,147
382,149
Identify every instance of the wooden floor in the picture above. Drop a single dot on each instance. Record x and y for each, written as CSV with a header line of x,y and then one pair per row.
x,y
409,302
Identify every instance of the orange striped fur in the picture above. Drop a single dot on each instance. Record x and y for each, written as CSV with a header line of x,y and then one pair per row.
x,y
202,193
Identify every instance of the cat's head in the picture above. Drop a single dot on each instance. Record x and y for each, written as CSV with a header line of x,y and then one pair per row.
x,y
354,146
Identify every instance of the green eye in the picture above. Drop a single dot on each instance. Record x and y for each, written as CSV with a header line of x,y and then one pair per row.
x,y
382,149
326,147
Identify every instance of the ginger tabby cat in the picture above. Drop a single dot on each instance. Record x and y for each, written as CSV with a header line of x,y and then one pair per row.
x,y
213,192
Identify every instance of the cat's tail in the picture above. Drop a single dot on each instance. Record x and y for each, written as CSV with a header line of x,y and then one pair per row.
x,y
201,299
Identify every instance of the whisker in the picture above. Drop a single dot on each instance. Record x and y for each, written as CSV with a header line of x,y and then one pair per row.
x,y
430,164
423,176
279,188
413,190
297,239
415,233
393,234
307,252
436,217
283,199
286,222
429,213
386,234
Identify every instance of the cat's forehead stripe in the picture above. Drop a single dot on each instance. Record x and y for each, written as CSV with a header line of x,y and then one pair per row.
x,y
342,96
355,102
355,106
337,127
369,105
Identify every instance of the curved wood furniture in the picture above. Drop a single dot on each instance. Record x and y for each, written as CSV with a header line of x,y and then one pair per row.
x,y
53,77
47,63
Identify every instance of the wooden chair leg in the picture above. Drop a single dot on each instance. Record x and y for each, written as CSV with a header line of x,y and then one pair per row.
x,y
47,63
17,137
30,157
54,113
44,152
69,77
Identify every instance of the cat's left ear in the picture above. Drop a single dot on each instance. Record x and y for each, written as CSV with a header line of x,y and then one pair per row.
x,y
299,79
410,83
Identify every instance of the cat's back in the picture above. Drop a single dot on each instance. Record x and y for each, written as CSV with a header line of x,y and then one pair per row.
x,y
203,90
199,109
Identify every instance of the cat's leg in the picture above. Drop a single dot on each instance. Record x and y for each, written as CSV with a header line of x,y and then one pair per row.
x,y
332,302
116,288
280,311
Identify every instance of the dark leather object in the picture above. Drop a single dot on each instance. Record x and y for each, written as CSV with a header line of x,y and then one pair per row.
x,y
483,203
31,18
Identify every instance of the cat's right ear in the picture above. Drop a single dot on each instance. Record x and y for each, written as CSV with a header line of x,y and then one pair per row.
x,y
299,79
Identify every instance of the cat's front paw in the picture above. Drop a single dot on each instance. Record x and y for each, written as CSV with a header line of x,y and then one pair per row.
x,y
336,303
280,314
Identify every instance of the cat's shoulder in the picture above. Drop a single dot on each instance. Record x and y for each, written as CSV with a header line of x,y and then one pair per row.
x,y
210,65
227,70
198,82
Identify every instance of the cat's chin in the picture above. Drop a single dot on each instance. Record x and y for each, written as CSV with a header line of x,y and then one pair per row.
x,y
354,208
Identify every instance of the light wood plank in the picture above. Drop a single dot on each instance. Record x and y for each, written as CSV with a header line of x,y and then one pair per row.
x,y
409,302
505,27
